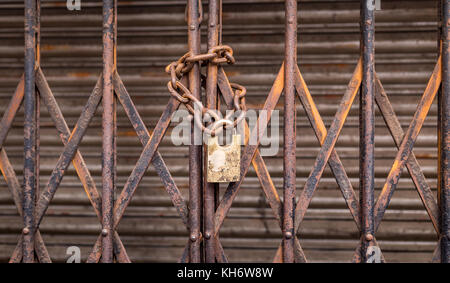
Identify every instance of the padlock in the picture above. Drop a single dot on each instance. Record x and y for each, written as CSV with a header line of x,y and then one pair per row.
x,y
224,162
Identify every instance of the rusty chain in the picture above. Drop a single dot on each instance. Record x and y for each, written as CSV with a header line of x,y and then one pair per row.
x,y
216,55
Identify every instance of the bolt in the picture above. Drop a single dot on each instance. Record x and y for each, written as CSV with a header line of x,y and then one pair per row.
x,y
105,232
288,235
369,237
26,231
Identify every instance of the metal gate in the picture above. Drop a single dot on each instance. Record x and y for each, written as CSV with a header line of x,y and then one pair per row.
x,y
205,211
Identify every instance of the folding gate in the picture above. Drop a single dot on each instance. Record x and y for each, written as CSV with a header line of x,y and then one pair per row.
x,y
205,211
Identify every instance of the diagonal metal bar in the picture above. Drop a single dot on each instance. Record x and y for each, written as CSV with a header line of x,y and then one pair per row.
x,y
334,161
249,151
144,161
259,166
414,169
69,151
119,250
15,190
144,136
407,144
321,134
10,113
328,145
64,133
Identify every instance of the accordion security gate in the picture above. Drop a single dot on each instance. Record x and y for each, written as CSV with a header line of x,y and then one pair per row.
x,y
206,210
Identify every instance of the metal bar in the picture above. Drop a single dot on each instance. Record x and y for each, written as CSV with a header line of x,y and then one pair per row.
x,y
395,128
262,173
108,156
334,161
445,136
29,132
407,144
69,151
210,189
144,161
195,151
11,111
250,150
65,135
328,145
144,136
289,144
367,124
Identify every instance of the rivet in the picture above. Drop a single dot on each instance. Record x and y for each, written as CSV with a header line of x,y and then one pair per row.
x,y
193,237
288,235
207,235
369,237
26,231
192,27
104,232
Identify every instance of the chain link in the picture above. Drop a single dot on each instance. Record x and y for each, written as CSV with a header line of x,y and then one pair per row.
x,y
216,55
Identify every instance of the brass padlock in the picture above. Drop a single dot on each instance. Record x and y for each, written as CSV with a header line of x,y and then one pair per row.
x,y
224,162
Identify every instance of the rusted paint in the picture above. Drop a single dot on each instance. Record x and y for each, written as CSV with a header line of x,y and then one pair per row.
x,y
419,180
444,171
334,161
29,178
289,141
195,151
69,151
144,136
367,126
407,144
249,151
211,190
328,145
144,161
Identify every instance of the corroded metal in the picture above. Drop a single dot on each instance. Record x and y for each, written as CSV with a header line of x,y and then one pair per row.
x,y
289,141
108,124
211,190
367,125
195,151
205,215
29,174
444,191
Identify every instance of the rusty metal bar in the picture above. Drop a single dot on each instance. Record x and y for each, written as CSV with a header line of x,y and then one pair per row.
x,y
289,157
195,151
367,125
108,126
444,171
250,150
29,132
211,189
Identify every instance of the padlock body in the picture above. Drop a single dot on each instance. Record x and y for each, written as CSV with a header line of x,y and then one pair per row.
x,y
224,162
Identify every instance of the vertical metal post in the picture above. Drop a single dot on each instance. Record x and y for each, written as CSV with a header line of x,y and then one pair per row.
x,y
366,125
444,172
289,130
29,180
211,103
195,151
108,132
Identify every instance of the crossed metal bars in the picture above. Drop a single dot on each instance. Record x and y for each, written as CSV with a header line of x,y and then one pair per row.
x,y
367,213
